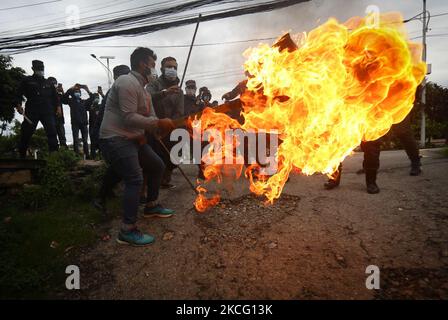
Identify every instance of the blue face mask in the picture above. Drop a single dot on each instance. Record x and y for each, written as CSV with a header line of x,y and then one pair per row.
x,y
171,73
77,95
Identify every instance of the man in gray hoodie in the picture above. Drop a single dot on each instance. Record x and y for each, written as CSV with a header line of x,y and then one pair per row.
x,y
128,115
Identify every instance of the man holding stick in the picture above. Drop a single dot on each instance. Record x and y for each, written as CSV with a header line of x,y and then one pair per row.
x,y
128,114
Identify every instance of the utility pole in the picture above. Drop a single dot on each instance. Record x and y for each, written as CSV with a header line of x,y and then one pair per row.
x,y
423,101
108,74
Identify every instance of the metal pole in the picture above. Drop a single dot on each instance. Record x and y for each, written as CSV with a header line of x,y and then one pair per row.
x,y
108,74
180,85
178,167
189,52
423,101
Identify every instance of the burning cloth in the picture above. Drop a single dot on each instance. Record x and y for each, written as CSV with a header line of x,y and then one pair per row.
x,y
345,83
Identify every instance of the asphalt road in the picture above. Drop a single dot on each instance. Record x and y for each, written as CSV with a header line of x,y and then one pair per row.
x,y
311,244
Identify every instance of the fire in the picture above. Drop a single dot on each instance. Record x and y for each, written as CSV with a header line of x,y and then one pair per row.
x,y
202,203
344,84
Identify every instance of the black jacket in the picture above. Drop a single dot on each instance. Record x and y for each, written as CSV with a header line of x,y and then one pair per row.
x,y
78,107
41,95
99,119
191,105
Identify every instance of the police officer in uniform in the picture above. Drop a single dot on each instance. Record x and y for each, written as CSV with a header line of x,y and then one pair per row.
x,y
190,100
371,161
41,104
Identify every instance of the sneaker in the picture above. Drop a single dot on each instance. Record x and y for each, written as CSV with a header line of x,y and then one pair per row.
x,y
157,212
134,238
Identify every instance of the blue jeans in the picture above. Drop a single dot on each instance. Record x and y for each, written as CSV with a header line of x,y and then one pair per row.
x,y
129,160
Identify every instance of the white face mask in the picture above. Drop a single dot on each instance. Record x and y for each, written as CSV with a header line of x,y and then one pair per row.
x,y
153,73
170,73
190,92
39,73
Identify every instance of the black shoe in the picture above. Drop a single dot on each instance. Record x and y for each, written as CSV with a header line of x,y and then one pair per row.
x,y
331,184
415,170
335,180
372,188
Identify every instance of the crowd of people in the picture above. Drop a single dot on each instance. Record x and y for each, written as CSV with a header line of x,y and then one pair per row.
x,y
46,96
130,125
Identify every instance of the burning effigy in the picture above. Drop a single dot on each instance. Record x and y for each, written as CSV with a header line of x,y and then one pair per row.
x,y
340,84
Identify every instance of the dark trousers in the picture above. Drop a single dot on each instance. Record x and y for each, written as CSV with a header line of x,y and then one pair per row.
x,y
371,151
27,130
403,132
60,130
128,160
160,150
94,147
84,134
164,155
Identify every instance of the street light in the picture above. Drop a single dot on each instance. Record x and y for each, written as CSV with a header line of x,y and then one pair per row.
x,y
109,73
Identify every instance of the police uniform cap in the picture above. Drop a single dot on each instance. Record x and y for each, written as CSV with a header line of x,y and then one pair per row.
x,y
37,64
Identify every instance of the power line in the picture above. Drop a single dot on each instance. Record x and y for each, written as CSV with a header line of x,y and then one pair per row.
x,y
29,5
223,75
85,9
213,72
218,77
432,35
93,18
439,15
144,22
171,46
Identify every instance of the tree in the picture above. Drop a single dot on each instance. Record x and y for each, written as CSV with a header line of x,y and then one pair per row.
x,y
10,78
436,109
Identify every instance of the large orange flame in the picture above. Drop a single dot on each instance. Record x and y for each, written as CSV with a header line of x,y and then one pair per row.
x,y
346,83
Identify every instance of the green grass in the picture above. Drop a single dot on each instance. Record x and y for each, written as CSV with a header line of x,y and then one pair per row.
x,y
29,266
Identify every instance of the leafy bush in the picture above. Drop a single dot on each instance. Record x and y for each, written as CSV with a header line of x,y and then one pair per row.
x,y
90,185
53,180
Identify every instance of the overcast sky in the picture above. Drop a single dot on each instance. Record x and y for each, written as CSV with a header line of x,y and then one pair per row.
x,y
219,67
